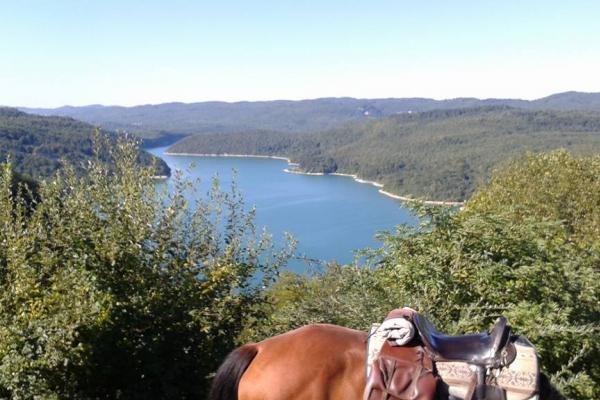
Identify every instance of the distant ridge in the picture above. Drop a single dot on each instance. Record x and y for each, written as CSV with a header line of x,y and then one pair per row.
x,y
570,101
160,121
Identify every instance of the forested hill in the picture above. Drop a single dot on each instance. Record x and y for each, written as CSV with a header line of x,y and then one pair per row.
x,y
441,155
36,144
160,122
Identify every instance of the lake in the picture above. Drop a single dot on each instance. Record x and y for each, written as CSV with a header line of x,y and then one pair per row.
x,y
330,216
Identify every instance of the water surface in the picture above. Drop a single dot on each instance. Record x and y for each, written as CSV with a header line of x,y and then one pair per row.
x,y
330,216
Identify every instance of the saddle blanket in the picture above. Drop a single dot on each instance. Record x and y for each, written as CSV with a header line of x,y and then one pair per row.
x,y
519,379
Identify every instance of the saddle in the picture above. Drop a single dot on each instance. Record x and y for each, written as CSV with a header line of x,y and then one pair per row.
x,y
493,365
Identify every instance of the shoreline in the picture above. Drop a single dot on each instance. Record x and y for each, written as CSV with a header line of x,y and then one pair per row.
x,y
355,177
229,155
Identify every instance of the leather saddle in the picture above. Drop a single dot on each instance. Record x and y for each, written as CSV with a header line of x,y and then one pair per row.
x,y
473,363
488,350
487,353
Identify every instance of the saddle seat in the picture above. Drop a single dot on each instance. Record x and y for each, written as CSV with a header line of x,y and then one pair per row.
x,y
481,350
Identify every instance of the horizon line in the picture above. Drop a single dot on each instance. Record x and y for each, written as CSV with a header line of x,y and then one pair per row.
x,y
299,100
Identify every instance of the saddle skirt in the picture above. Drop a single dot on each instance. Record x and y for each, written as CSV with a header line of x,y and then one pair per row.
x,y
400,366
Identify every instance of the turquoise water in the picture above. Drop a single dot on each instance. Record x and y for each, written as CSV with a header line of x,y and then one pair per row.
x,y
330,216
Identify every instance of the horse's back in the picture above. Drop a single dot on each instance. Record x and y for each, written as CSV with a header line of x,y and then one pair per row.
x,y
300,363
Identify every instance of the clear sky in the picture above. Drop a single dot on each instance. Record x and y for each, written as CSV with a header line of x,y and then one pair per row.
x,y
57,52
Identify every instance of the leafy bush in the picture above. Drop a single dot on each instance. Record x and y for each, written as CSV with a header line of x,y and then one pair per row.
x,y
349,296
553,186
466,271
109,290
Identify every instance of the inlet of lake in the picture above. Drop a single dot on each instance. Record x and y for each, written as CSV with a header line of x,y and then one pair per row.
x,y
330,216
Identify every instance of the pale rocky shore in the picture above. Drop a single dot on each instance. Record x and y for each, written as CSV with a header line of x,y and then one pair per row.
x,y
298,172
295,170
228,155
383,192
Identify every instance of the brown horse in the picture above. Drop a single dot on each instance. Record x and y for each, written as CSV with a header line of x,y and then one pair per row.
x,y
316,362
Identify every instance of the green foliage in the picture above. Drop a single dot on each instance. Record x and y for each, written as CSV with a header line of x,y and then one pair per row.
x,y
109,290
25,189
465,268
556,186
441,155
37,145
349,296
467,271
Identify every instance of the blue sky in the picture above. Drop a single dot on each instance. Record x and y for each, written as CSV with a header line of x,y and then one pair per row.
x,y
124,52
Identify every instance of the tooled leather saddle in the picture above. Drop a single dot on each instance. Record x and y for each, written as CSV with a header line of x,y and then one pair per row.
x,y
432,365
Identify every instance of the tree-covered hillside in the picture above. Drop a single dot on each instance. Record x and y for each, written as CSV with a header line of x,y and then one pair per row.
x,y
217,117
36,144
440,154
161,123
158,123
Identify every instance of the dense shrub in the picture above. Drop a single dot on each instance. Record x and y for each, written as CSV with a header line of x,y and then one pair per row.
x,y
109,290
554,186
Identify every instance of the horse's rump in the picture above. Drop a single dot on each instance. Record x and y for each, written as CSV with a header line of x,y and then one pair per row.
x,y
313,362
